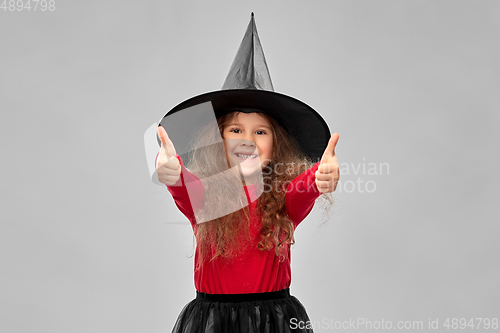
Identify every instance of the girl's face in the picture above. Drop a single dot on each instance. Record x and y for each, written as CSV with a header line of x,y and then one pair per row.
x,y
248,139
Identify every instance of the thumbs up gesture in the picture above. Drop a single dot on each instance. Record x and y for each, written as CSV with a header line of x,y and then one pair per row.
x,y
168,167
327,175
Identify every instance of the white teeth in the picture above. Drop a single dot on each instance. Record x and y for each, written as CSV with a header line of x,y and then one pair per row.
x,y
246,156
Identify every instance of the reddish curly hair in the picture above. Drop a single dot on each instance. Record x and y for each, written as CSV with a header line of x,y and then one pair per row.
x,y
226,236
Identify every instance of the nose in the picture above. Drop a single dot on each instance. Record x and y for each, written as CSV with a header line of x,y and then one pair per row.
x,y
247,140
247,143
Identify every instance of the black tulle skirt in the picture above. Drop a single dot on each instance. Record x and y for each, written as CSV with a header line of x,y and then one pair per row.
x,y
272,312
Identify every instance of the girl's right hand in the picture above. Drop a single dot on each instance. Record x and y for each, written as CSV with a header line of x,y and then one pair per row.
x,y
168,167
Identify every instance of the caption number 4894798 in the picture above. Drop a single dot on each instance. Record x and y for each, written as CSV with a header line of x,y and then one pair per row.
x,y
28,5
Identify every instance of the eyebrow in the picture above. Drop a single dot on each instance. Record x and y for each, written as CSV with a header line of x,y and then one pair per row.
x,y
260,125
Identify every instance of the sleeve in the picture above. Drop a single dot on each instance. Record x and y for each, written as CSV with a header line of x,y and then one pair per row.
x,y
301,194
190,201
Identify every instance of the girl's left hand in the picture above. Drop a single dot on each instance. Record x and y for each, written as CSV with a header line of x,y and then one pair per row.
x,y
328,174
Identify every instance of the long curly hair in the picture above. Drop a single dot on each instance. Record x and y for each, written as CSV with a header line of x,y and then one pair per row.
x,y
225,231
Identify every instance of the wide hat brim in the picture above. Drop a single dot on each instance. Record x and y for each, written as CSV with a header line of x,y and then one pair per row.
x,y
300,120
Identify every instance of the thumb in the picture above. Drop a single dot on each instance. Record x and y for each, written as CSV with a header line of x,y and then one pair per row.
x,y
329,152
166,144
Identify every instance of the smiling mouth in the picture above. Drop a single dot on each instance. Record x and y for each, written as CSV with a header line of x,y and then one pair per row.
x,y
245,156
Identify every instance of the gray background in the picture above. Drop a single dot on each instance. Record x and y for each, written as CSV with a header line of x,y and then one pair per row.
x,y
89,244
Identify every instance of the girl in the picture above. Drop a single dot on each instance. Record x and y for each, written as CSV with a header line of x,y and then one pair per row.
x,y
242,259
251,181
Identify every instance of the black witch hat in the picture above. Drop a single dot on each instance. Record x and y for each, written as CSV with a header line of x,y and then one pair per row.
x,y
248,88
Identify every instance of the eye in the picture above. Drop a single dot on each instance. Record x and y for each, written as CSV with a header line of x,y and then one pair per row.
x,y
260,132
234,130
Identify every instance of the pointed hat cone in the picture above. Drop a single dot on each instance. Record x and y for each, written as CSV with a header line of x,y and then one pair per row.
x,y
249,69
248,88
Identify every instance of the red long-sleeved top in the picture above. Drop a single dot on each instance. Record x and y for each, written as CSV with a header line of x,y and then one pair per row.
x,y
254,271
